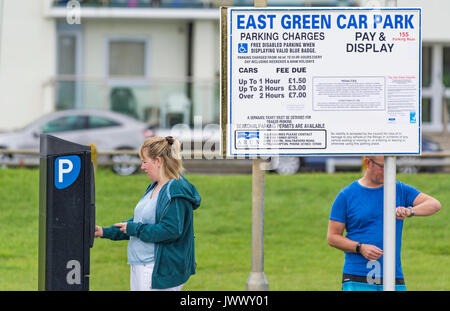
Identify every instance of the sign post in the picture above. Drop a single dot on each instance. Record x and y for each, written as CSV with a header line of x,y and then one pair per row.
x,y
389,224
257,280
323,81
389,217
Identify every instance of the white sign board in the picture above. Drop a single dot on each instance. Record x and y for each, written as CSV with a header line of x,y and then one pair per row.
x,y
317,81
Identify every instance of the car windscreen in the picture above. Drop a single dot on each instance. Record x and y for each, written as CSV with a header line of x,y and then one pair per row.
x,y
96,122
64,124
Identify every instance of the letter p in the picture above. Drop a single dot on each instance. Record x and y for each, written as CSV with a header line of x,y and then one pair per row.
x,y
63,170
377,19
67,169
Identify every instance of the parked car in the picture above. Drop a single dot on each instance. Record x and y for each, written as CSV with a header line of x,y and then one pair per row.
x,y
106,129
292,165
198,139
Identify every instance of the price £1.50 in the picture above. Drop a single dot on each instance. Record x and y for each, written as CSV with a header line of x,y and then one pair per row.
x,y
299,80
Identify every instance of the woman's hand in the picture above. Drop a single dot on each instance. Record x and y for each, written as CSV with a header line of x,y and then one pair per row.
x,y
122,226
98,233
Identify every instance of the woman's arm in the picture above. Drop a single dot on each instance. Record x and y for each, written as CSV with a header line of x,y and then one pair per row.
x,y
111,232
169,228
114,233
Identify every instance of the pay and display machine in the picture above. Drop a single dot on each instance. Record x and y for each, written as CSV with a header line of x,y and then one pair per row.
x,y
66,214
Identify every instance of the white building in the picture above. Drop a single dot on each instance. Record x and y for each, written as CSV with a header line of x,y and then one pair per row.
x,y
27,62
157,63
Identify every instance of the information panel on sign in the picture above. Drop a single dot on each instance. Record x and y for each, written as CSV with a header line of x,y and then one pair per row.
x,y
316,81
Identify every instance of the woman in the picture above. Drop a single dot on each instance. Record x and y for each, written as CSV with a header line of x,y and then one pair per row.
x,y
161,233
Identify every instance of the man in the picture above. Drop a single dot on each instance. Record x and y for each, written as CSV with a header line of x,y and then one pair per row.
x,y
358,208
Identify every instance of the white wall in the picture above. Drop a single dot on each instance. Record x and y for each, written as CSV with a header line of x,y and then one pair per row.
x,y
205,65
27,60
166,56
167,44
435,18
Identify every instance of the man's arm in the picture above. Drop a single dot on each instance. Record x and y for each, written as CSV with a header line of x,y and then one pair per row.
x,y
335,238
423,205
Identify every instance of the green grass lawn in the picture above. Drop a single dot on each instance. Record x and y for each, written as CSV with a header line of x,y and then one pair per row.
x,y
297,256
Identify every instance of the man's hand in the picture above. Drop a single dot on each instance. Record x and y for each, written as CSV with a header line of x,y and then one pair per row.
x,y
122,226
98,233
371,252
402,212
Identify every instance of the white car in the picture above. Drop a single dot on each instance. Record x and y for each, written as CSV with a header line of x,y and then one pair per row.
x,y
106,129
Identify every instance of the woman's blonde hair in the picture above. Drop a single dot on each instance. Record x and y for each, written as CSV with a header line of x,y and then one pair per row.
x,y
169,149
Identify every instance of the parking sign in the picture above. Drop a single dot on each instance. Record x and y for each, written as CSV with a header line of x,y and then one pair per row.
x,y
67,169
321,81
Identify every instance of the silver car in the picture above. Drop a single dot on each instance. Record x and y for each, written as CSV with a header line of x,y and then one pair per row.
x,y
106,129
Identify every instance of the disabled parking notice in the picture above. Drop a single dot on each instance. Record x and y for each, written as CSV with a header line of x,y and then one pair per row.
x,y
313,81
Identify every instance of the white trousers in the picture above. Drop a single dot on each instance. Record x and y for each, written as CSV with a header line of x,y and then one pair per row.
x,y
141,279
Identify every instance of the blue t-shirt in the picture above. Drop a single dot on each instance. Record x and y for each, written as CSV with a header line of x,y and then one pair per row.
x,y
361,209
140,252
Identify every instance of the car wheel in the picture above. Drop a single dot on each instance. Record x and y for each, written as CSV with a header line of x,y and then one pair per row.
x,y
4,159
288,165
123,164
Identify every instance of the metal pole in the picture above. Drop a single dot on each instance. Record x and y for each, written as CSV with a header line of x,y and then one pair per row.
x,y
257,280
260,3
389,223
389,218
445,111
391,3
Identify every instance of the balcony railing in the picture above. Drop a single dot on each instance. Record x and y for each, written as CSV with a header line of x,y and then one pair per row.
x,y
161,102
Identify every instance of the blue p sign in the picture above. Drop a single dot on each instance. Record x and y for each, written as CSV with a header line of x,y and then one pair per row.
x,y
67,169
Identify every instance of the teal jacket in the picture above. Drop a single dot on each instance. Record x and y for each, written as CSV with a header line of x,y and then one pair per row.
x,y
172,233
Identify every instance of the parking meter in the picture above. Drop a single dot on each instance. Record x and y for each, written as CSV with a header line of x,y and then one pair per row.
x,y
66,214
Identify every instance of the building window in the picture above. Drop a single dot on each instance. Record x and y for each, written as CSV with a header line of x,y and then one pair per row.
x,y
127,58
426,66
435,86
446,74
447,102
66,94
427,69
426,109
